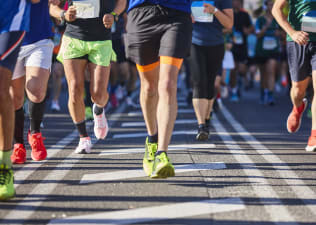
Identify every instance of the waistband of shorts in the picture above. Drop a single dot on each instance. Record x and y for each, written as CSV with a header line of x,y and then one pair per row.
x,y
160,7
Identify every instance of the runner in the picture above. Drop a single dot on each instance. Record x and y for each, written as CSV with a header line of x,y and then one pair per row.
x,y
14,17
301,57
87,43
159,37
242,28
207,53
267,53
31,75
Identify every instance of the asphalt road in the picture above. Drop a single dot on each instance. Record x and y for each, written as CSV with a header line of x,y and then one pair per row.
x,y
251,171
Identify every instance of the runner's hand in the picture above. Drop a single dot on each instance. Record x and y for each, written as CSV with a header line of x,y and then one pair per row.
x,y
208,8
108,20
300,37
54,2
70,14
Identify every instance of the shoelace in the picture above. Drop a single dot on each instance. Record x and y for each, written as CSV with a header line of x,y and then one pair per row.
x,y
100,121
17,151
4,176
37,144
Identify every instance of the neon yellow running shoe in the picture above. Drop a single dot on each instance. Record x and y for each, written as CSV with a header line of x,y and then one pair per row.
x,y
6,183
162,168
149,157
89,114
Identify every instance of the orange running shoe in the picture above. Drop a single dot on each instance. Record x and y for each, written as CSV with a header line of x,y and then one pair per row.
x,y
19,154
38,149
295,118
311,145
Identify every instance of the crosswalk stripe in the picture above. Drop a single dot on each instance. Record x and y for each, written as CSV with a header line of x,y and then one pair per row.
x,y
278,211
134,135
301,190
157,213
128,174
142,124
123,151
180,111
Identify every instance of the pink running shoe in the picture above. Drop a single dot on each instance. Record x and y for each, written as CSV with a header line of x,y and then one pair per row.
x,y
100,125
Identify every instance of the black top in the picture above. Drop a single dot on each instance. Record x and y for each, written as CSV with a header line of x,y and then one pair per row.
x,y
92,29
241,20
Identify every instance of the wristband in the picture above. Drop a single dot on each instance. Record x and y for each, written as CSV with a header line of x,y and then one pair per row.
x,y
116,17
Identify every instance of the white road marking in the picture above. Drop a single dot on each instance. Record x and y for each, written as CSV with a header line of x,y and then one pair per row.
x,y
124,151
134,135
299,188
127,174
142,124
156,213
180,111
44,188
277,211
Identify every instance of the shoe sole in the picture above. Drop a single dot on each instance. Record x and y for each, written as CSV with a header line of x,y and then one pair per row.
x,y
164,172
299,125
310,148
7,198
202,137
147,169
35,159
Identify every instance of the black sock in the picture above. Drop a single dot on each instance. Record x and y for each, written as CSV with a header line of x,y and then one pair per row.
x,y
159,152
36,111
153,139
201,126
81,127
97,110
19,126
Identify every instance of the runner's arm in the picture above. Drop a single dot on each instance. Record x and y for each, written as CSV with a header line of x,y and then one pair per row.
x,y
299,37
225,17
56,12
120,6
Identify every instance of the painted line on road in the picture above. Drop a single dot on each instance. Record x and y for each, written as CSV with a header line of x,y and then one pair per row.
x,y
180,111
300,189
128,174
135,135
157,213
278,212
43,188
124,151
142,124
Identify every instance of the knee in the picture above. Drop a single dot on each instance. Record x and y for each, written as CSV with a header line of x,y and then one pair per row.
x,y
36,93
149,89
167,87
100,97
4,96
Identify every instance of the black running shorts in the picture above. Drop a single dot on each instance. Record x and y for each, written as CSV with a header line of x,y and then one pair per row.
x,y
301,59
10,44
153,31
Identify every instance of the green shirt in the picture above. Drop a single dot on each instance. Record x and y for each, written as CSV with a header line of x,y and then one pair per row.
x,y
269,43
303,14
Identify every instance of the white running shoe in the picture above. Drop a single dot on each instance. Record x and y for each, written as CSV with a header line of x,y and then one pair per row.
x,y
130,102
55,106
101,127
119,92
84,146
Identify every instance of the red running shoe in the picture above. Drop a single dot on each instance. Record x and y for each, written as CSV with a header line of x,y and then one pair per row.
x,y
311,145
19,154
295,118
38,149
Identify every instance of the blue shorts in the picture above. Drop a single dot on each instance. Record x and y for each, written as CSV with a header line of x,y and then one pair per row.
x,y
10,44
301,59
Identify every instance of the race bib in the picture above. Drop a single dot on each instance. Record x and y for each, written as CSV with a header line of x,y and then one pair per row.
x,y
309,22
269,43
87,9
238,38
198,13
